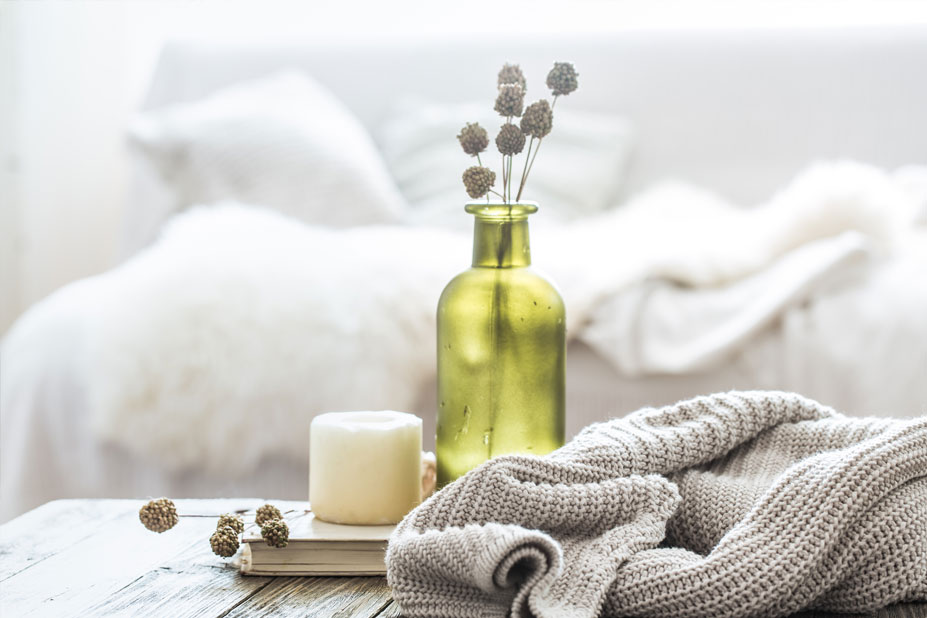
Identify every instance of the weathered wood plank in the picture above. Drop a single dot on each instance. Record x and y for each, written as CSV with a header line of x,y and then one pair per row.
x,y
390,611
89,571
199,591
93,557
335,597
53,527
194,583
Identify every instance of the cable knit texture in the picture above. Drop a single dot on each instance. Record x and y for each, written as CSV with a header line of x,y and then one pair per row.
x,y
735,504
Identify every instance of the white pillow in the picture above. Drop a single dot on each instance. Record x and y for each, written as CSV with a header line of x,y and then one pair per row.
x,y
578,171
282,141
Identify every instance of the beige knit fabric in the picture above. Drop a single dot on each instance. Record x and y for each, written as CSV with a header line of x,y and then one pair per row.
x,y
736,504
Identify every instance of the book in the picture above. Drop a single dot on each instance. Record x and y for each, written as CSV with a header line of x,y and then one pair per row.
x,y
316,548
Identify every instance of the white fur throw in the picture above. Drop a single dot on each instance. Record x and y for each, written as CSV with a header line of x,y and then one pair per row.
x,y
220,344
217,346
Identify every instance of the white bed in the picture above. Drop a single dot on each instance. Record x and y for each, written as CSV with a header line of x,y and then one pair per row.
x,y
759,107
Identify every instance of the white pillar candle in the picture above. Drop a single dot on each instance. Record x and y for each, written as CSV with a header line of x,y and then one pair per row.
x,y
365,467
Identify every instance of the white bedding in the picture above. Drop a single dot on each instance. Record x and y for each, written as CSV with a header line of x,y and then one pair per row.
x,y
270,141
196,367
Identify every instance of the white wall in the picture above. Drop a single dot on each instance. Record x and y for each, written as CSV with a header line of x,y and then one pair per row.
x,y
72,72
9,215
9,199
71,75
65,84
72,169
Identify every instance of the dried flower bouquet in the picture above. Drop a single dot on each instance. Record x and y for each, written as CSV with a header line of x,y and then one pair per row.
x,y
536,123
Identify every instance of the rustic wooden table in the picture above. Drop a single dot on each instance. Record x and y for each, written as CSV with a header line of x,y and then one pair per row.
x,y
94,558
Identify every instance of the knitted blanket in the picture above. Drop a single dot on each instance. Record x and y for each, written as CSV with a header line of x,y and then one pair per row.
x,y
736,504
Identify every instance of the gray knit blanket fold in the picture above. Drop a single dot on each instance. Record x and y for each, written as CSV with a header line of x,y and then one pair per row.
x,y
735,504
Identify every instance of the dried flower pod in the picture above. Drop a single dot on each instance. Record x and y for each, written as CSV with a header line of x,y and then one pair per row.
x,y
224,542
266,513
511,100
473,138
158,515
538,119
562,78
511,74
510,140
235,522
478,180
275,533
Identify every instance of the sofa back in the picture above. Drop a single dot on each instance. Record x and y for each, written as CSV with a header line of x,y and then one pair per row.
x,y
735,110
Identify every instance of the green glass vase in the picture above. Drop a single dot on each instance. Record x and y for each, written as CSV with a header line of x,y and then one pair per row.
x,y
501,350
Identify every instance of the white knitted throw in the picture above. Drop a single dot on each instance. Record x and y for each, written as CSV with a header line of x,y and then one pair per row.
x,y
736,504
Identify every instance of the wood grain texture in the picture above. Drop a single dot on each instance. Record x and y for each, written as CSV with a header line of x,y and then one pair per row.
x,y
201,591
338,597
51,528
94,568
94,558
86,572
192,584
390,611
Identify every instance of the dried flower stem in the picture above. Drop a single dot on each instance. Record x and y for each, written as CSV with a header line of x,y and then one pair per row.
x,y
509,176
524,177
507,173
238,512
524,171
504,178
528,166
478,160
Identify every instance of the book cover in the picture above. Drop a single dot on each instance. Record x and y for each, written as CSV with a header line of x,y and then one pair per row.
x,y
317,548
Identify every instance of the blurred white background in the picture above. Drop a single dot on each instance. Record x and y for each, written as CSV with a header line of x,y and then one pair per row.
x,y
786,252
72,73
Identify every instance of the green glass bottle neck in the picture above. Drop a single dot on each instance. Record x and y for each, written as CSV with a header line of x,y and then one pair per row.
x,y
500,234
501,243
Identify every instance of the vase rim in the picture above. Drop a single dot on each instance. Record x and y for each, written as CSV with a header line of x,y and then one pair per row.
x,y
491,210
